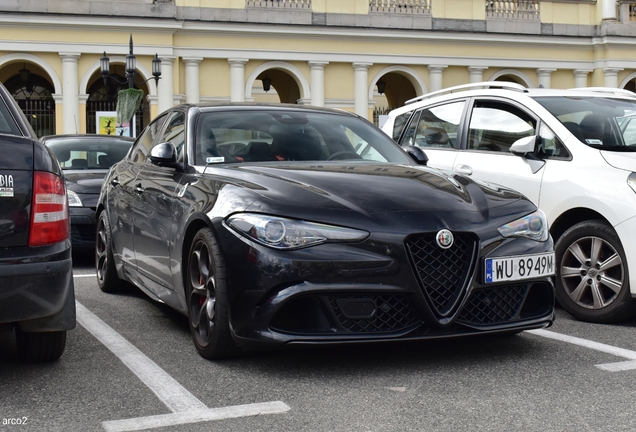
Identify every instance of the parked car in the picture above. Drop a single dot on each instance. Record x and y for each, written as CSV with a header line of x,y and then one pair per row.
x,y
295,238
572,152
85,160
37,297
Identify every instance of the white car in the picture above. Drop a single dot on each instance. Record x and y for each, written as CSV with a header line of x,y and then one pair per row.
x,y
572,152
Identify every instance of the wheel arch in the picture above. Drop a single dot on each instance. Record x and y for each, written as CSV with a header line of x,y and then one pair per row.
x,y
571,218
194,226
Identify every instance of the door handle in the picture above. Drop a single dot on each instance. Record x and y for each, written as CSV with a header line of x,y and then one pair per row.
x,y
138,188
114,181
464,169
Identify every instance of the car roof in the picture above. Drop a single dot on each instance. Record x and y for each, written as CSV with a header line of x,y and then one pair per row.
x,y
87,137
492,88
255,106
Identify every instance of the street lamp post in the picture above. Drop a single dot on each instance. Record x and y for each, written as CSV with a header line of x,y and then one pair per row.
x,y
131,72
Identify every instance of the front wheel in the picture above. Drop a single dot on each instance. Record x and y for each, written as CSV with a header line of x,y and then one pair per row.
x,y
592,278
206,292
107,278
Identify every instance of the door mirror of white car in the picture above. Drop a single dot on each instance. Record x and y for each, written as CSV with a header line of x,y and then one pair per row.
x,y
524,145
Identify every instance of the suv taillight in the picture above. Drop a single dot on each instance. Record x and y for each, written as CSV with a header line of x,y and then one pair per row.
x,y
49,212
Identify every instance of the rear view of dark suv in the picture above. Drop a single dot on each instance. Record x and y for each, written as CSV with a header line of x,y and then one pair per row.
x,y
37,298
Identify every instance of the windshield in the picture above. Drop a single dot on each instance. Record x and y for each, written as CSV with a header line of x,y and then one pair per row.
x,y
263,136
93,152
601,122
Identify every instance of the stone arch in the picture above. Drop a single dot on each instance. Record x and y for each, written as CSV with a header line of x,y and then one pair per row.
x,y
525,80
629,78
408,73
295,73
145,74
18,57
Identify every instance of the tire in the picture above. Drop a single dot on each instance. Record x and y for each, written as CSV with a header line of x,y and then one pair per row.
x,y
107,278
592,278
206,293
40,346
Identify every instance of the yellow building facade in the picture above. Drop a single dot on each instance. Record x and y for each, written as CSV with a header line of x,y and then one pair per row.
x,y
364,56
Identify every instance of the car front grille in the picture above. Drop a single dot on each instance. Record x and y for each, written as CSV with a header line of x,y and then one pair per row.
x,y
493,305
442,273
392,313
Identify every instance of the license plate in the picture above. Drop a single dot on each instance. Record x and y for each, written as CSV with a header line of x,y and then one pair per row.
x,y
519,267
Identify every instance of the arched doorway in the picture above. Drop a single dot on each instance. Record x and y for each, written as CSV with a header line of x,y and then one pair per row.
x,y
34,94
284,86
392,90
103,97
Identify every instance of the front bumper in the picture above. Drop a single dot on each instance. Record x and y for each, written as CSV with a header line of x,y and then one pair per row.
x,y
333,294
36,288
83,226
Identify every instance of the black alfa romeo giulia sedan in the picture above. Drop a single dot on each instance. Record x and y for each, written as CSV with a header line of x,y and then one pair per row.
x,y
283,225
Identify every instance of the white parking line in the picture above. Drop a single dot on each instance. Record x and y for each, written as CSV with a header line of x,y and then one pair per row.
x,y
84,275
619,352
185,406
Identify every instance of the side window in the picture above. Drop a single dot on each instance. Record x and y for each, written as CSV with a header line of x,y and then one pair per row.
x,y
495,126
399,123
7,124
409,134
146,139
550,146
438,126
175,133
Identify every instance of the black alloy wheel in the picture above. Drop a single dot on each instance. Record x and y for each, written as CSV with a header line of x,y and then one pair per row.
x,y
592,280
207,298
107,278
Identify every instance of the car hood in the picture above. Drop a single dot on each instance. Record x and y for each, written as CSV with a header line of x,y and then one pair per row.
x,y
84,182
376,191
624,161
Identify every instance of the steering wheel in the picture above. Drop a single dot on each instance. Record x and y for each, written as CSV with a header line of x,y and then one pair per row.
x,y
342,154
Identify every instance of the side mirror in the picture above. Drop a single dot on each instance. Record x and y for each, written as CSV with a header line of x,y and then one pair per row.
x,y
164,154
524,145
417,154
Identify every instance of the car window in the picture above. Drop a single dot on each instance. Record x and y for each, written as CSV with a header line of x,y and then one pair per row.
x,y
399,123
145,141
88,152
550,146
258,136
175,133
437,126
600,122
7,123
495,126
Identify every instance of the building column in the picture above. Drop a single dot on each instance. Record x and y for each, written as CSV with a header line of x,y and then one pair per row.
x,y
317,83
360,89
70,92
192,84
237,79
544,77
580,77
165,89
435,79
611,77
609,9
476,73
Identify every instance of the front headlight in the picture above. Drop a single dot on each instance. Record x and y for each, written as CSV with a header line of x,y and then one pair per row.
x,y
283,233
74,199
534,226
631,181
